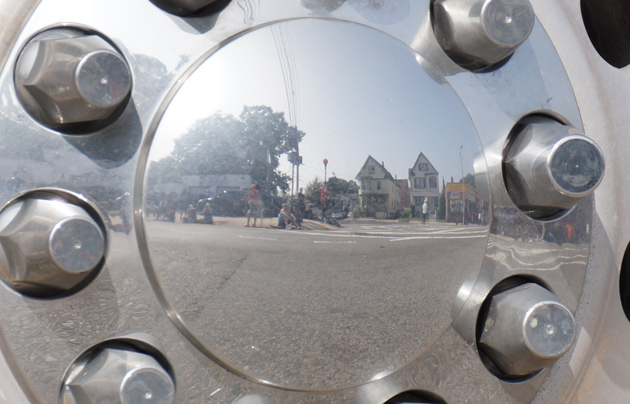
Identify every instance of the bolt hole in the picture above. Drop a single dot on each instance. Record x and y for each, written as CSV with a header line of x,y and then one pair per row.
x,y
417,397
174,8
606,23
624,283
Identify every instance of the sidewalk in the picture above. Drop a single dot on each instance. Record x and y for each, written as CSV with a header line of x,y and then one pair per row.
x,y
267,223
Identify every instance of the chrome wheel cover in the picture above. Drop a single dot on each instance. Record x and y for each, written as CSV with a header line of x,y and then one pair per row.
x,y
138,289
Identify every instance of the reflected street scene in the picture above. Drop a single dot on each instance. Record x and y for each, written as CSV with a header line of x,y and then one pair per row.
x,y
304,236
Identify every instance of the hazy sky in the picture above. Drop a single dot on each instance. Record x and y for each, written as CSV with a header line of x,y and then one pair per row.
x,y
353,90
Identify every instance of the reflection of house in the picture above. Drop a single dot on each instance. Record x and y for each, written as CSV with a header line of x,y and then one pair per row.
x,y
423,181
456,193
379,192
405,196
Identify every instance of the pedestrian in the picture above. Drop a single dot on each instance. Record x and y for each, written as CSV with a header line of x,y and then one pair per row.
x,y
191,215
253,200
286,219
425,211
299,208
207,214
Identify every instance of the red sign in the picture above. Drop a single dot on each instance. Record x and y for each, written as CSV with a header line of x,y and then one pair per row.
x,y
322,195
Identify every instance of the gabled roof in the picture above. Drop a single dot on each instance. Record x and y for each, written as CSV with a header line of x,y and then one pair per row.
x,y
379,165
422,158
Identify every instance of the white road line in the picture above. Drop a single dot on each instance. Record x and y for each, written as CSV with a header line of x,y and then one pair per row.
x,y
333,242
259,238
436,238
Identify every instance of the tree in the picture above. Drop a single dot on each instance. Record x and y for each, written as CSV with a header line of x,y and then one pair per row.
x,y
313,190
340,191
470,180
251,144
441,213
266,137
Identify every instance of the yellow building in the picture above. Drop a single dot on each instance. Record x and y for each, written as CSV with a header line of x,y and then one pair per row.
x,y
456,194
379,192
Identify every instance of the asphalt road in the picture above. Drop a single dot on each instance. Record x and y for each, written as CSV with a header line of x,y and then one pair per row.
x,y
315,309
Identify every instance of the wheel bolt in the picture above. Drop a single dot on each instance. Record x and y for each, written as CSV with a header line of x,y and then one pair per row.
x,y
550,167
119,376
65,78
526,330
48,246
480,33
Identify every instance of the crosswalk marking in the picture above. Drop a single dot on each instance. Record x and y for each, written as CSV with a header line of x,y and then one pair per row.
x,y
397,232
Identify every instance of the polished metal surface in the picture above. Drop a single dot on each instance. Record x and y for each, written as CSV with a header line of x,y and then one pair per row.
x,y
549,167
118,376
66,76
49,245
285,316
526,330
249,285
478,34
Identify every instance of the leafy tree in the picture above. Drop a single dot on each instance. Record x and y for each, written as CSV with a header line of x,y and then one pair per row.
x,y
339,186
313,190
470,180
251,143
265,138
441,213
339,190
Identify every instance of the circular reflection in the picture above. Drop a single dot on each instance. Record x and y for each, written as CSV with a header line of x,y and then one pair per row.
x,y
289,107
577,166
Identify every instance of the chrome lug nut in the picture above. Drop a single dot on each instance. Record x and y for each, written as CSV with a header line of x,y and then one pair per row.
x,y
549,167
65,78
526,330
48,246
480,33
190,7
118,376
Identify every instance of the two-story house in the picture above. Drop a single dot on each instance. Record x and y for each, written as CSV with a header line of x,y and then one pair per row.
x,y
379,192
423,183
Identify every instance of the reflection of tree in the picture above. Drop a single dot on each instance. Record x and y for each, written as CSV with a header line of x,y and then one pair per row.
x,y
340,192
251,144
441,213
470,180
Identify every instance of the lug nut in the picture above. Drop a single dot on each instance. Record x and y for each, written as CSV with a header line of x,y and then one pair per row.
x,y
65,78
526,330
190,7
480,33
549,167
118,376
48,246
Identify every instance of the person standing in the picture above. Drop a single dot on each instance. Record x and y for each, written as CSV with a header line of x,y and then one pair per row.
x,y
299,208
207,214
425,211
253,200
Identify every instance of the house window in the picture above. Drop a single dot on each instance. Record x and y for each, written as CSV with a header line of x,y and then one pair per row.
x,y
378,185
419,183
432,182
423,167
366,184
371,170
